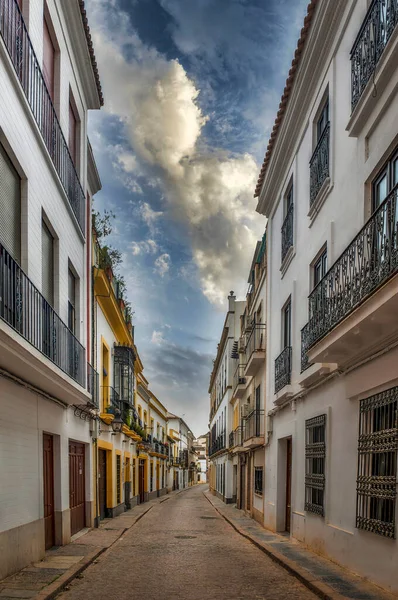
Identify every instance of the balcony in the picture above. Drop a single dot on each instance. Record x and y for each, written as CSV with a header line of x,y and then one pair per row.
x,y
287,232
25,310
217,445
283,369
27,69
93,385
352,311
255,349
239,382
236,439
254,429
376,30
319,165
311,372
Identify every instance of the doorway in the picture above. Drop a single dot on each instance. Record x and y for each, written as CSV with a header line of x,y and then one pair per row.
x,y
242,502
77,494
127,485
48,490
102,482
141,480
249,484
288,511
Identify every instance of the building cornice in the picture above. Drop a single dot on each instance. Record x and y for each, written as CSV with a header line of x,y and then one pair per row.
x,y
320,38
93,177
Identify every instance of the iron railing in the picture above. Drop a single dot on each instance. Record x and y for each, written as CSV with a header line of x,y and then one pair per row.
x,y
368,262
255,340
24,308
377,27
93,384
218,444
283,369
239,377
319,164
110,399
305,364
236,437
254,424
287,232
27,68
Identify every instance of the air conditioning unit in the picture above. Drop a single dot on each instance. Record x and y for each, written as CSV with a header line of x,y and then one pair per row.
x,y
242,380
242,345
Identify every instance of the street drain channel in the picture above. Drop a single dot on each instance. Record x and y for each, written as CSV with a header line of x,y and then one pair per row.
x,y
185,537
208,517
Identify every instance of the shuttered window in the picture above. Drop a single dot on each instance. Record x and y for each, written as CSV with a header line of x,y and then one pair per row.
x,y
48,59
72,134
10,206
47,264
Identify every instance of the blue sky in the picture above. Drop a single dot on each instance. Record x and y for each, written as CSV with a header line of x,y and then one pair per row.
x,y
191,91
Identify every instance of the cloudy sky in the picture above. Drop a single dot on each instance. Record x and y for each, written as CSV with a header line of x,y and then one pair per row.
x,y
191,91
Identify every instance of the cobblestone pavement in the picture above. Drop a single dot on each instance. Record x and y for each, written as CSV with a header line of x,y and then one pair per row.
x,y
184,549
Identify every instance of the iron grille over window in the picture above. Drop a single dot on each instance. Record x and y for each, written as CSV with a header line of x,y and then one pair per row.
x,y
124,373
319,164
283,369
258,480
315,454
287,231
377,463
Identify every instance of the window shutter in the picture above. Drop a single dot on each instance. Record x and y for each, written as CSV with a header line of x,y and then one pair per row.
x,y
48,59
47,264
72,133
10,207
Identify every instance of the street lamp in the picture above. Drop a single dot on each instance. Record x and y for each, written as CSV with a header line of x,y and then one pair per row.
x,y
117,422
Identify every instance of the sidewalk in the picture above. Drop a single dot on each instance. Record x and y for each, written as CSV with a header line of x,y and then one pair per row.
x,y
324,578
45,579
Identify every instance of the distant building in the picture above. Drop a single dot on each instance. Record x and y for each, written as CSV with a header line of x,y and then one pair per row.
x,y
200,446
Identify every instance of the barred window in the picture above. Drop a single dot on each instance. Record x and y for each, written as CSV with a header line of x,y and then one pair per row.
x,y
315,454
258,480
377,463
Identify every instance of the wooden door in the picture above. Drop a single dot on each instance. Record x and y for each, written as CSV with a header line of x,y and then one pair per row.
x,y
242,501
77,496
127,485
249,484
141,480
102,482
48,490
288,483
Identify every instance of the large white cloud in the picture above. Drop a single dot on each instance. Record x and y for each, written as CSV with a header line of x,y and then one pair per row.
x,y
208,190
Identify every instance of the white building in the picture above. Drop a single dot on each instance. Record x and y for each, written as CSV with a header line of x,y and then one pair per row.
x,y
181,439
246,440
200,446
329,189
49,82
222,475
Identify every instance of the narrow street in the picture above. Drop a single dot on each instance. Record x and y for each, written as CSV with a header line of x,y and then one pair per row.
x,y
183,548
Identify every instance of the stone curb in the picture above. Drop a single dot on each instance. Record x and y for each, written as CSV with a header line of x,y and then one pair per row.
x,y
321,589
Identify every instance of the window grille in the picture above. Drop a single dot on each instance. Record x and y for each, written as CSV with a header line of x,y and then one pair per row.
x,y
315,454
258,480
377,463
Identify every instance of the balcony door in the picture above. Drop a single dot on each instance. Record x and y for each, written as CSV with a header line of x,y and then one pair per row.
x,y
384,227
287,325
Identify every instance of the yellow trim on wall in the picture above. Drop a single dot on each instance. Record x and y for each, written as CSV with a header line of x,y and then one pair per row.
x,y
106,299
105,445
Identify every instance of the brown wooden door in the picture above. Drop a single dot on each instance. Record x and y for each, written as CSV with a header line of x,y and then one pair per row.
x,y
249,484
141,480
48,490
288,483
77,494
242,501
102,482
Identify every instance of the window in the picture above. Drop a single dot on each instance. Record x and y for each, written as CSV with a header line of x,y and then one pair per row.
x,y
323,120
377,463
71,301
151,478
385,182
257,417
287,226
258,480
48,59
315,454
118,475
10,207
47,264
287,325
320,267
72,142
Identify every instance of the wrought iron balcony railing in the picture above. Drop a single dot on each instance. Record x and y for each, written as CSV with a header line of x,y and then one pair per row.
x,y
110,399
93,384
368,262
319,164
377,27
236,437
27,68
255,340
254,425
239,377
305,364
218,444
287,232
283,369
24,308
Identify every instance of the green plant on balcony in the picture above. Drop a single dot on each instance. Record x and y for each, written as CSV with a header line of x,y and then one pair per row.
x,y
110,410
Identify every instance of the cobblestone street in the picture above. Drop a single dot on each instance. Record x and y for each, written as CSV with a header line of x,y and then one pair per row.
x,y
193,554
